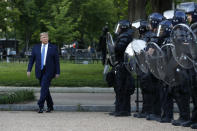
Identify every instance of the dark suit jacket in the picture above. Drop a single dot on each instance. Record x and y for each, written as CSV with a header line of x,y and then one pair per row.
x,y
52,61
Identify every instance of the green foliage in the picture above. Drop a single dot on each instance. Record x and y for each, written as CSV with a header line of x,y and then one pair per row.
x,y
65,20
8,16
27,23
72,75
149,7
94,15
3,15
62,29
122,8
16,97
180,1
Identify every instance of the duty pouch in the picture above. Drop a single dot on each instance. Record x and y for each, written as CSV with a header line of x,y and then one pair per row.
x,y
110,78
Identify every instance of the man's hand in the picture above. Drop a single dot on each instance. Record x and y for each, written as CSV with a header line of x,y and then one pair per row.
x,y
28,74
57,75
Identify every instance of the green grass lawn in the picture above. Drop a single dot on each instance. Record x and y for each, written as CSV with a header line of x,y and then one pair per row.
x,y
72,75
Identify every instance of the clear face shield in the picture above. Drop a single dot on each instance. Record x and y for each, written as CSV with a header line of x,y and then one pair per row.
x,y
117,29
160,31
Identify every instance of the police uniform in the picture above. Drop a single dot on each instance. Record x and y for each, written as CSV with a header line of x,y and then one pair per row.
x,y
124,82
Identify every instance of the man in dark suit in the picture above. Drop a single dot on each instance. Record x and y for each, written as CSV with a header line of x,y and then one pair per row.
x,y
47,66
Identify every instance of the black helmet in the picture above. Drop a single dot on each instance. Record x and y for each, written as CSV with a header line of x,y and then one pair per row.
x,y
143,28
154,19
122,26
105,29
179,17
164,28
189,8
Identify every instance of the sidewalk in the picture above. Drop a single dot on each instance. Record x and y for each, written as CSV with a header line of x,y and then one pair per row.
x,y
16,119
71,99
78,121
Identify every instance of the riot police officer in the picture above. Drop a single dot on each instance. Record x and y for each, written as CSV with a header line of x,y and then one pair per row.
x,y
191,11
179,17
154,19
181,93
174,89
143,30
150,83
163,33
124,82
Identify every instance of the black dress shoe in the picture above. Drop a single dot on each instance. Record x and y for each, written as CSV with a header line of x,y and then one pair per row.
x,y
178,122
49,109
165,120
112,113
135,115
122,114
153,117
140,115
40,110
194,126
187,123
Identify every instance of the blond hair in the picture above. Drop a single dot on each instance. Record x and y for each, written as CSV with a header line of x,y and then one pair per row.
x,y
43,33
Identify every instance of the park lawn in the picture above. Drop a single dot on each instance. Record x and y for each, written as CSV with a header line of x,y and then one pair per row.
x,y
72,75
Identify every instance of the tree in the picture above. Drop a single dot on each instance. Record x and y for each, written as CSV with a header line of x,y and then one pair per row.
x,y
3,16
8,16
140,9
61,28
94,15
136,9
27,23
122,9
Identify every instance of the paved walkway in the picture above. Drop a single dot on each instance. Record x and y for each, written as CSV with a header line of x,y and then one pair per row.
x,y
22,117
73,102
78,121
72,99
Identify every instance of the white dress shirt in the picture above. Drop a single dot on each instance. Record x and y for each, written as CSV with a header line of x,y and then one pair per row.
x,y
45,55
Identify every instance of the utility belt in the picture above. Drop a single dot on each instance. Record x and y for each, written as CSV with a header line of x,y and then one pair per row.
x,y
119,64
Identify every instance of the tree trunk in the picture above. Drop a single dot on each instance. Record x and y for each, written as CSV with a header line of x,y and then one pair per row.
x,y
137,8
161,5
28,35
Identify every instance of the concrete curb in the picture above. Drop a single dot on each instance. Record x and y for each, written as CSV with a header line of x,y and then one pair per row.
x,y
69,108
62,89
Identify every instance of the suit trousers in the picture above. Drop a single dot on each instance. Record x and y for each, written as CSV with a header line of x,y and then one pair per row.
x,y
45,94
